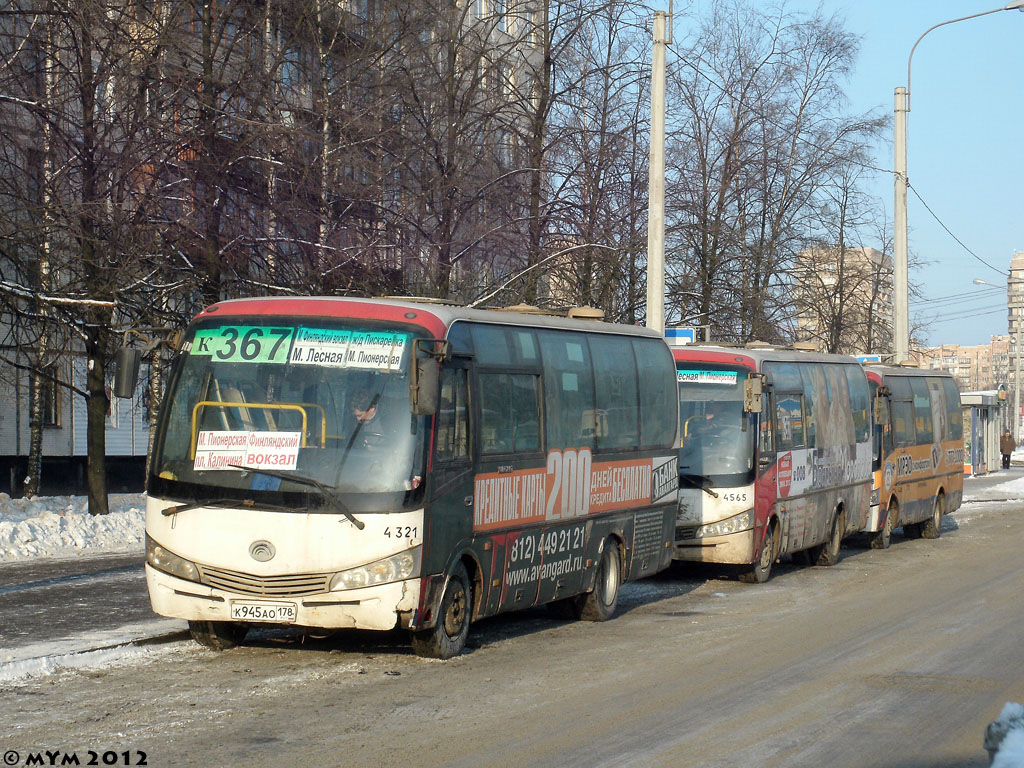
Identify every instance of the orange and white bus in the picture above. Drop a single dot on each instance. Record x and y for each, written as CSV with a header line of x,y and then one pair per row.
x,y
775,456
334,462
918,452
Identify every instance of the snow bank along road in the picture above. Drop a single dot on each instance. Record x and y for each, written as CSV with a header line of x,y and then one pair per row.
x,y
895,658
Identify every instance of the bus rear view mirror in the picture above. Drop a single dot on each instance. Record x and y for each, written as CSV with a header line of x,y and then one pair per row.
x,y
126,371
424,382
881,410
753,389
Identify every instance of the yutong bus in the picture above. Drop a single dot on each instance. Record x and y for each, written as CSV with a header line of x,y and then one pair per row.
x,y
918,453
336,463
775,456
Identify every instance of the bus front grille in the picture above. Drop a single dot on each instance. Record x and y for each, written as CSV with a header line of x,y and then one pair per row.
x,y
686,532
289,585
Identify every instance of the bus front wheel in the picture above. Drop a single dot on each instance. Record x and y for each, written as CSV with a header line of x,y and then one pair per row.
x,y
760,571
447,637
600,604
218,635
883,538
932,527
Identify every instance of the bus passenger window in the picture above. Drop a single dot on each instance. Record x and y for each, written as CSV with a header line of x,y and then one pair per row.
x,y
510,412
616,388
571,421
922,411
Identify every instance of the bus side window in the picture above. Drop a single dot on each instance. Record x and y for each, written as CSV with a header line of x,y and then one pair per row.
x,y
615,387
901,403
453,416
790,421
922,410
510,412
954,415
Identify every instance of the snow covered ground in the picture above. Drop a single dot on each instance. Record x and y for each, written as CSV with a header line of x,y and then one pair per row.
x,y
61,526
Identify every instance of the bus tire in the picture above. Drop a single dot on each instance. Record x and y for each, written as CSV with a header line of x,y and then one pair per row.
x,y
447,638
883,538
599,604
830,551
218,635
761,571
932,527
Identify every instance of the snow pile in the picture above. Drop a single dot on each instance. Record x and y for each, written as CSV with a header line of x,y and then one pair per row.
x,y
61,526
1013,489
1004,738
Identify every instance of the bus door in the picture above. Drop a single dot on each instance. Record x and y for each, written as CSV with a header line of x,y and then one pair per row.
x,y
510,481
450,518
766,485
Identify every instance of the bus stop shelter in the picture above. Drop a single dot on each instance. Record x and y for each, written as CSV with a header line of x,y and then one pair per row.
x,y
982,417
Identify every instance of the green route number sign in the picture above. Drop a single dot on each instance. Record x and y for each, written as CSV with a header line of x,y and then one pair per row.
x,y
244,343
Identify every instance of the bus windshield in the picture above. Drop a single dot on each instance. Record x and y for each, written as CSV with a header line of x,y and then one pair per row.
x,y
717,438
324,400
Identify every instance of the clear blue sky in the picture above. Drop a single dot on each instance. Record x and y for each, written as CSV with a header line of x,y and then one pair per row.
x,y
965,144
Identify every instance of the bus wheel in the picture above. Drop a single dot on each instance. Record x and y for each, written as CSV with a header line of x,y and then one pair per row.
x,y
599,605
219,635
883,538
932,528
760,571
447,637
829,554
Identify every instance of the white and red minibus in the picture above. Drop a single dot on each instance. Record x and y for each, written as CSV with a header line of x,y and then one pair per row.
x,y
337,462
774,458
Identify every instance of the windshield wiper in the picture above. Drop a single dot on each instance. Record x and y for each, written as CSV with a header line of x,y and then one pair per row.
x,y
698,481
222,502
325,491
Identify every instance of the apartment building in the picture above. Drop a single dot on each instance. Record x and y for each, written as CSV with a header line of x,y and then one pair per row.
x,y
843,299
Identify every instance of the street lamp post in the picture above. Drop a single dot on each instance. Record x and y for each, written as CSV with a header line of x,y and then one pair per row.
x,y
901,310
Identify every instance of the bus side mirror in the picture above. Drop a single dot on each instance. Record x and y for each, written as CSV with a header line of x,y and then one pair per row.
x,y
881,410
753,389
126,371
424,386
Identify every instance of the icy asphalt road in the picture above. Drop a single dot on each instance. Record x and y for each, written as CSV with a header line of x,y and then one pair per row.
x,y
896,658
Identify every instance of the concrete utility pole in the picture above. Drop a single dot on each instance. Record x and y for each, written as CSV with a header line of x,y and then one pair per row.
x,y
656,183
901,290
901,312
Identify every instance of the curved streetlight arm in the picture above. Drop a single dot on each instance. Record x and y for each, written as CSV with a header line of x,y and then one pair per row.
x,y
1016,5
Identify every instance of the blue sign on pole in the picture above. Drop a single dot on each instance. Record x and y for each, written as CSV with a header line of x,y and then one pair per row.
x,y
868,358
680,336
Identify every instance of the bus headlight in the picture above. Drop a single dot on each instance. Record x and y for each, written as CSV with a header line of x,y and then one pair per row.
x,y
734,524
168,562
875,496
404,565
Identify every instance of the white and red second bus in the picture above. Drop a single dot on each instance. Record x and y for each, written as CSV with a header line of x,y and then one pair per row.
x,y
775,456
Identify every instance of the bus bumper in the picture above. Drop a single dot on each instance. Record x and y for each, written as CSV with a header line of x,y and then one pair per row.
x,y
378,607
875,518
732,549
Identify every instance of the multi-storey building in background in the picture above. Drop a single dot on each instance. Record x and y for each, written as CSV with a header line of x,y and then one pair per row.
x,y
844,299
